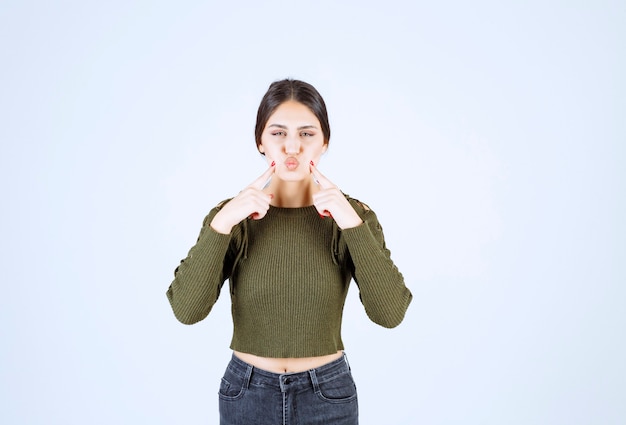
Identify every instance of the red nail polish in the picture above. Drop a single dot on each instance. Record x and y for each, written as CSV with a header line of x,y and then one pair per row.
x,y
312,163
322,215
273,163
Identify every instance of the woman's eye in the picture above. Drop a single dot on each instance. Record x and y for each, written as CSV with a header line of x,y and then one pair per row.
x,y
305,134
278,133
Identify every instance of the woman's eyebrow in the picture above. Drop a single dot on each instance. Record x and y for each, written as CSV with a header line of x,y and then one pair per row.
x,y
304,127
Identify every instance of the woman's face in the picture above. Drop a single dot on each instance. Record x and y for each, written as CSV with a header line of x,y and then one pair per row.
x,y
293,138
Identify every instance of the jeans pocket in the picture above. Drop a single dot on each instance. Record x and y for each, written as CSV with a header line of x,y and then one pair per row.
x,y
231,386
340,389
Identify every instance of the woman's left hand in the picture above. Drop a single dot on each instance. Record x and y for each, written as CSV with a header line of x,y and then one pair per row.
x,y
331,202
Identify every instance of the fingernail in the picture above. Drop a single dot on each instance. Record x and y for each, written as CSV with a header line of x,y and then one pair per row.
x,y
273,163
322,215
312,163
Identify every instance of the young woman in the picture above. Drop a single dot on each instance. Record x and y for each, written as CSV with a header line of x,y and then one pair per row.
x,y
289,243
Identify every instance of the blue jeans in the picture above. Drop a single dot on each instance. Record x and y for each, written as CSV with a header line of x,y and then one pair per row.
x,y
252,396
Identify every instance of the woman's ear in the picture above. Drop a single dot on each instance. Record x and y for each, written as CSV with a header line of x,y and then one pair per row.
x,y
260,147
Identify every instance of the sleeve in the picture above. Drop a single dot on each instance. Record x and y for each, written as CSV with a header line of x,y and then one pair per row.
x,y
199,278
383,293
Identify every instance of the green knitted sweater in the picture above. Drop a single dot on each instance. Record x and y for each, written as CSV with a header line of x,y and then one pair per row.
x,y
289,274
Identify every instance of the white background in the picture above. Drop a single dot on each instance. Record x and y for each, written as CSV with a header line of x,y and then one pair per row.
x,y
489,138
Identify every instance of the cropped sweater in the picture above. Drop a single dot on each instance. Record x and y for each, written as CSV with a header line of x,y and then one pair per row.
x,y
289,274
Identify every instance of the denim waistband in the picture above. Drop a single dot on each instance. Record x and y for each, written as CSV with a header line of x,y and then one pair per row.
x,y
318,375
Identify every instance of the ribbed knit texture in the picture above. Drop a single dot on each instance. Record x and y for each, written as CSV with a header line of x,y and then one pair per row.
x,y
289,275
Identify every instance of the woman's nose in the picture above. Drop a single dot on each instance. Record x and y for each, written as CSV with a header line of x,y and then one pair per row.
x,y
292,146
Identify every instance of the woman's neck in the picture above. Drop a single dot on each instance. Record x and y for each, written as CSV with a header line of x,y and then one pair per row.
x,y
291,194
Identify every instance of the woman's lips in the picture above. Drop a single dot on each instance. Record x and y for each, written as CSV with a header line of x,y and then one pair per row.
x,y
291,163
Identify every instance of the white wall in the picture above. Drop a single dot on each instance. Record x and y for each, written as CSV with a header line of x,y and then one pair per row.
x,y
490,140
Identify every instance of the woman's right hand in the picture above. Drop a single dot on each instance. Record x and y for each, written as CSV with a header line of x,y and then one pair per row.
x,y
251,202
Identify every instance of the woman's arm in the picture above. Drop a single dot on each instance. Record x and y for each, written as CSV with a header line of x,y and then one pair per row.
x,y
381,285
199,277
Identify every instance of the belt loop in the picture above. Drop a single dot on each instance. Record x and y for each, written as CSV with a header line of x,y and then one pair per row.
x,y
316,385
246,379
345,357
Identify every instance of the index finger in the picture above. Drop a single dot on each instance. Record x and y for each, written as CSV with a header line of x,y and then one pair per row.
x,y
321,179
263,178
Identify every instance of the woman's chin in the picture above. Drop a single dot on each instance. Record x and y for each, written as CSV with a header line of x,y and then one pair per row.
x,y
293,176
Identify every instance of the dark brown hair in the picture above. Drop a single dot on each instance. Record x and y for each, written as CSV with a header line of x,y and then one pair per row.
x,y
289,89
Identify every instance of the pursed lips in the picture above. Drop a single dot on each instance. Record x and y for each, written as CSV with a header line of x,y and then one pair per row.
x,y
291,163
